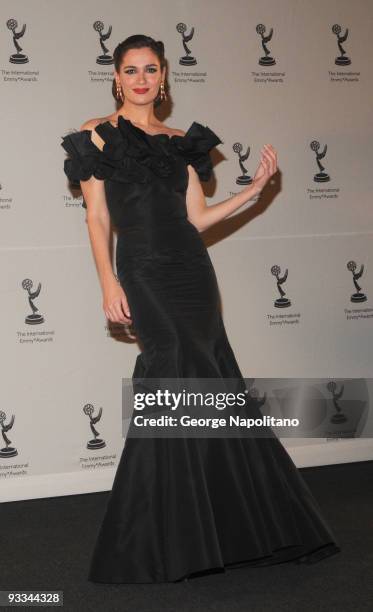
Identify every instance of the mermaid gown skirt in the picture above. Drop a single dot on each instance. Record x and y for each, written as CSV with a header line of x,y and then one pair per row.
x,y
184,505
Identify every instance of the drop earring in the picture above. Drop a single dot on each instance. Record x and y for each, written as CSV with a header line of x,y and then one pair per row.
x,y
119,92
163,93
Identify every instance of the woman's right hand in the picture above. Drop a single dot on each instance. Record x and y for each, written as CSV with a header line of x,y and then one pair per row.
x,y
115,303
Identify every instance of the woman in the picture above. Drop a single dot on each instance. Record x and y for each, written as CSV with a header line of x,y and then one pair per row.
x,y
178,507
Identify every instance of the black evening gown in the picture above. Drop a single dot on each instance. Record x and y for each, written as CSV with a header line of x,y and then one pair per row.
x,y
184,506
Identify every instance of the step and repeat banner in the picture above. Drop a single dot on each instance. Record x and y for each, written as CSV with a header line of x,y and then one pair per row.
x,y
295,267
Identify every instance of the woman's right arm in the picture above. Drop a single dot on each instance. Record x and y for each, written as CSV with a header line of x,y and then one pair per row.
x,y
115,303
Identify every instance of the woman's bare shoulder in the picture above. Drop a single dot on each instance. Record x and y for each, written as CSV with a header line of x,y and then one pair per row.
x,y
90,124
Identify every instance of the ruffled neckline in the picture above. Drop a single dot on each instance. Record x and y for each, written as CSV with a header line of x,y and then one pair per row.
x,y
130,154
125,128
122,120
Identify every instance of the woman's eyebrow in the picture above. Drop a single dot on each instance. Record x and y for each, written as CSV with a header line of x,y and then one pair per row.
x,y
147,65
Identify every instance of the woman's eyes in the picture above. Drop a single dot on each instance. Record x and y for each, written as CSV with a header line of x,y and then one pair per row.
x,y
130,70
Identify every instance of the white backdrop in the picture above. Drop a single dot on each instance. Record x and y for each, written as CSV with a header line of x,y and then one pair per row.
x,y
52,369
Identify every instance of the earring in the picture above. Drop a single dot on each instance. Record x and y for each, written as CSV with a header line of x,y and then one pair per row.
x,y
119,92
163,93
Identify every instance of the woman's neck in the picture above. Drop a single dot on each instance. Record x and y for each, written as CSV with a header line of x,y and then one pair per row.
x,y
143,117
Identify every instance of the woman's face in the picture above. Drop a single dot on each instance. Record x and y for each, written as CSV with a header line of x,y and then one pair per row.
x,y
140,75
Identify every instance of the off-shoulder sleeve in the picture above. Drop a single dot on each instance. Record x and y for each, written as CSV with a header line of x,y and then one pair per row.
x,y
195,147
84,158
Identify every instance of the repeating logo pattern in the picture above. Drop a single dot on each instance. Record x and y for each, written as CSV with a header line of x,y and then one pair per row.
x,y
265,55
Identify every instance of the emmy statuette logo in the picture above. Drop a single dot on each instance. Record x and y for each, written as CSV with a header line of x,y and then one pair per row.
x,y
96,442
342,59
17,58
244,179
338,417
325,408
281,302
266,60
187,59
34,318
321,176
104,58
7,451
358,296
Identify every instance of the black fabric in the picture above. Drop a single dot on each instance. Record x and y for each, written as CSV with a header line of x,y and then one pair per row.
x,y
184,505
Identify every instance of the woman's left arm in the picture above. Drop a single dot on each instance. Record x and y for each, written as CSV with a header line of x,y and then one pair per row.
x,y
203,216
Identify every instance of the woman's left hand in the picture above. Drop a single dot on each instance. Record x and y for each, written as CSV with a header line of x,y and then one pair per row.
x,y
266,168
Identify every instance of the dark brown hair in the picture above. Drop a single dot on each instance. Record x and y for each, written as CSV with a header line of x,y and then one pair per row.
x,y
138,41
